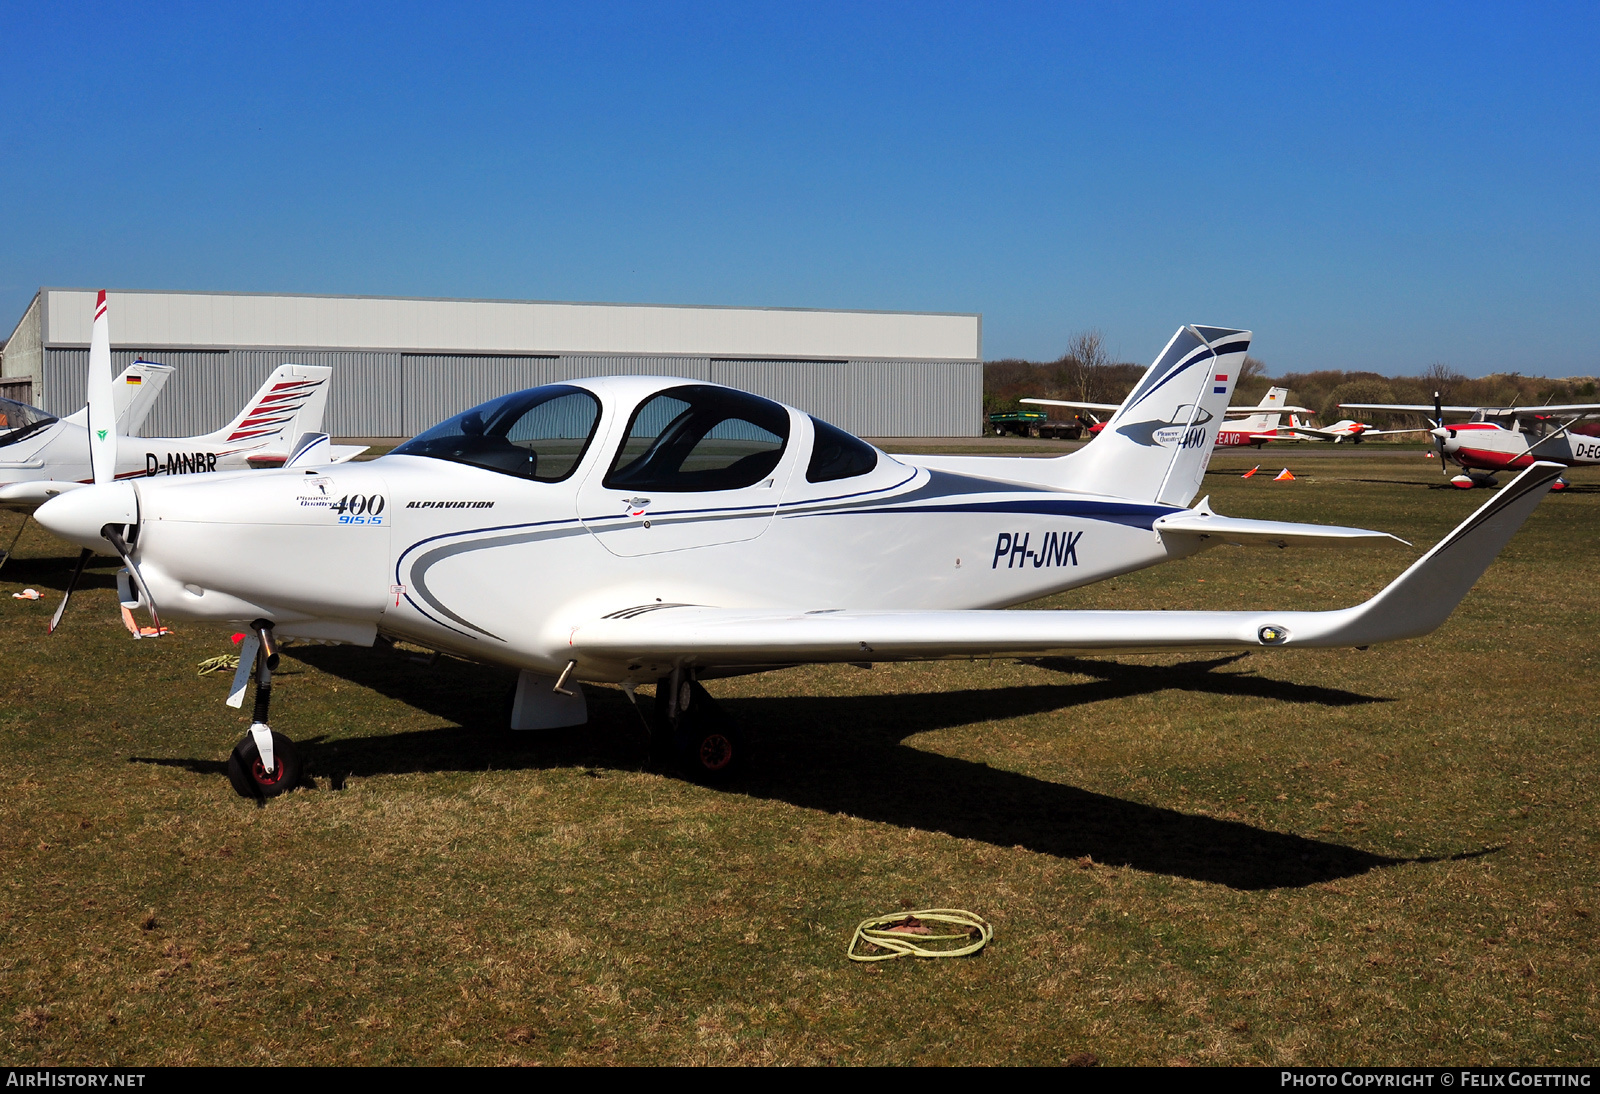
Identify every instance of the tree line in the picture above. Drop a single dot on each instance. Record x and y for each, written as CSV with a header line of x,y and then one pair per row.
x,y
1086,373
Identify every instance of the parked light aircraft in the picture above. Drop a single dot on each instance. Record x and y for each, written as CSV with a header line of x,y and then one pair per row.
x,y
1256,425
42,456
1346,429
1507,438
656,530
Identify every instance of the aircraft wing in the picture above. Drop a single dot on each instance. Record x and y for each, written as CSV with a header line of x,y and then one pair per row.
x,y
1413,604
1107,407
25,497
1252,411
1414,408
1581,409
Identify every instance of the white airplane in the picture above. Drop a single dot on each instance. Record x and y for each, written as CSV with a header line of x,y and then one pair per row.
x,y
1346,429
1507,438
42,456
655,530
1258,424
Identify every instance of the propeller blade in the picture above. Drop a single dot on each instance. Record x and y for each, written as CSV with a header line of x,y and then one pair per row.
x,y
77,572
114,537
102,408
1438,439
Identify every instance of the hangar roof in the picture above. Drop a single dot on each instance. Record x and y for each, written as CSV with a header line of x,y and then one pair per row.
x,y
186,319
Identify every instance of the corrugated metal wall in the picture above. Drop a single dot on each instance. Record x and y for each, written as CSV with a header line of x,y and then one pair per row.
x,y
383,394
436,386
576,366
870,398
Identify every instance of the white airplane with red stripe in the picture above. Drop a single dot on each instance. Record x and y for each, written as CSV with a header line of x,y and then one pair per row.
x,y
1258,424
1508,438
42,455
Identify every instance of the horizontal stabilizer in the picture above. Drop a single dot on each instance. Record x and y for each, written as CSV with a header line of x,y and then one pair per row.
x,y
1201,521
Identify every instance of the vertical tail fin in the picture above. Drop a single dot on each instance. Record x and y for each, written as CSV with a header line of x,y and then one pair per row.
x,y
1268,420
288,406
134,393
1157,445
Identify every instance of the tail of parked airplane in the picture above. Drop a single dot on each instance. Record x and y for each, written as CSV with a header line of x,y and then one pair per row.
x,y
1157,445
288,406
1268,419
132,395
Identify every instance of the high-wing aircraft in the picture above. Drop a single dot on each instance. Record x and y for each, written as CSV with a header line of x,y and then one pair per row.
x,y
42,456
656,530
1092,415
1507,438
1256,425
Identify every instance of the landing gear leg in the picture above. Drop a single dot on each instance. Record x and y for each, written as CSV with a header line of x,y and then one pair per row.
x,y
264,763
696,733
5,556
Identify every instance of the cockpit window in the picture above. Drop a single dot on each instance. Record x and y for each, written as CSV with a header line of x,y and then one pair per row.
x,y
19,420
700,438
835,454
538,434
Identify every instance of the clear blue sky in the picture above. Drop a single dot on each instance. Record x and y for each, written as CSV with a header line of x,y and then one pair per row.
x,y
1364,186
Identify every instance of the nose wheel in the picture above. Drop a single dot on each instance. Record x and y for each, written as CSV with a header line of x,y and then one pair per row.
x,y
253,777
694,732
264,763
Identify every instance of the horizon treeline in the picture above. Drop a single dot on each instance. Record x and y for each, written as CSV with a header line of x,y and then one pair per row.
x,y
1085,373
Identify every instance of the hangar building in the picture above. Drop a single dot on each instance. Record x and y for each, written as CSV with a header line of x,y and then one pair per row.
x,y
401,365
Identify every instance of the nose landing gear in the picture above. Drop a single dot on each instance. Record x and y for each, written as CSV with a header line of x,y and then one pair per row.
x,y
264,763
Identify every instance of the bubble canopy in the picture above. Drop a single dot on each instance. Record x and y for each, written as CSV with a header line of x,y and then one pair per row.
x,y
539,434
19,420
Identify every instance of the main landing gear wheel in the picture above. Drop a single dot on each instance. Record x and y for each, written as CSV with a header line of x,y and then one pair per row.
x,y
250,777
697,734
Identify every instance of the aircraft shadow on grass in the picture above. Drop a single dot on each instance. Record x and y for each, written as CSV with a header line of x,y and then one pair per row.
x,y
844,754
53,573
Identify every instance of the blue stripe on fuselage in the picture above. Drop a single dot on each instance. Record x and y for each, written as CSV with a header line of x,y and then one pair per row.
x,y
1126,513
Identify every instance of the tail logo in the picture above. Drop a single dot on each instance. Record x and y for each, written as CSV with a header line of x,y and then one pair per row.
x,y
1180,432
101,433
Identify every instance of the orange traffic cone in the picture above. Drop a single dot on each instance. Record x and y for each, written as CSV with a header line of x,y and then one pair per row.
x,y
1250,472
1284,476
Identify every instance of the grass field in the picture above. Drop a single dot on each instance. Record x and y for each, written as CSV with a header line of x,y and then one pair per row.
x,y
1309,857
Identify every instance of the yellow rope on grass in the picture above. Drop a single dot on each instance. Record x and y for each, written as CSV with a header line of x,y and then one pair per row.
x,y
907,934
219,663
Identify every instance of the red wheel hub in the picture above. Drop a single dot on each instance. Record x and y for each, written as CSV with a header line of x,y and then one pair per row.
x,y
716,752
261,775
